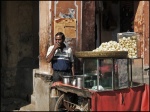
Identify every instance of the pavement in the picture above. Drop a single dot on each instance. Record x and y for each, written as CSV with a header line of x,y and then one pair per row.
x,y
12,104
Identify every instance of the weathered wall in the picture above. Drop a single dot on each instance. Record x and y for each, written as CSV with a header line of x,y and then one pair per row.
x,y
19,47
49,11
146,33
88,26
42,91
141,26
44,35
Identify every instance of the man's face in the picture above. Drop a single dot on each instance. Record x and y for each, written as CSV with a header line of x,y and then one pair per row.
x,y
58,39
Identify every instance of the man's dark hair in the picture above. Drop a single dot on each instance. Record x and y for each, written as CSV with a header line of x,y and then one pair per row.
x,y
61,34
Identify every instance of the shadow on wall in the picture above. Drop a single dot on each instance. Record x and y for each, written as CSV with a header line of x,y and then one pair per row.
x,y
24,77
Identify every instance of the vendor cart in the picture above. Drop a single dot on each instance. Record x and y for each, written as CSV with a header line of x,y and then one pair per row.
x,y
72,98
107,83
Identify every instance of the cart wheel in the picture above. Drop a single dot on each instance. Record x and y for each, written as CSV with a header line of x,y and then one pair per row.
x,y
59,104
85,108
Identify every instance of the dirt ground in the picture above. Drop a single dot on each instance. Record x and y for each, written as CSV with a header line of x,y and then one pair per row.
x,y
12,104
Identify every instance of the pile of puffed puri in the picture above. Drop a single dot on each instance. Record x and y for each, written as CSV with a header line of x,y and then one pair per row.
x,y
124,45
110,46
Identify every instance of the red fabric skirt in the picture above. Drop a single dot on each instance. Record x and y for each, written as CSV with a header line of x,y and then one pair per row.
x,y
129,99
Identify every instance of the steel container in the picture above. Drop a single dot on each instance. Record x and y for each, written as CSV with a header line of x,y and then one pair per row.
x,y
67,79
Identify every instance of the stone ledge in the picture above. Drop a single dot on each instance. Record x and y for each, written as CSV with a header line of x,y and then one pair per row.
x,y
30,107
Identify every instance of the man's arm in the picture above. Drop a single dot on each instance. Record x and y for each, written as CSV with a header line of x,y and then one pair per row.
x,y
52,52
50,55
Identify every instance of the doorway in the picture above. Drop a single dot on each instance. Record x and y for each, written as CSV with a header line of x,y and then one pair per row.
x,y
112,17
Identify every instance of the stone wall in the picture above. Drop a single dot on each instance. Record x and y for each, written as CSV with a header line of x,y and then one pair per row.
x,y
19,47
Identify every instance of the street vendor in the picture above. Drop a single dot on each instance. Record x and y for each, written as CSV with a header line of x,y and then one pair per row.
x,y
61,57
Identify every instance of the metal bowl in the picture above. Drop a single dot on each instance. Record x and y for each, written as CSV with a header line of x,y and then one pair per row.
x,y
67,79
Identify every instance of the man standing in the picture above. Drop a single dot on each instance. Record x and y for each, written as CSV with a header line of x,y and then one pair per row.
x,y
61,58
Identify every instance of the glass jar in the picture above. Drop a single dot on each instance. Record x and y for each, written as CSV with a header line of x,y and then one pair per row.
x,y
130,41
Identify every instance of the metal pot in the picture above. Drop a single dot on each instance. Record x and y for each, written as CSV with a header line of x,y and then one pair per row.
x,y
79,81
67,79
87,78
73,82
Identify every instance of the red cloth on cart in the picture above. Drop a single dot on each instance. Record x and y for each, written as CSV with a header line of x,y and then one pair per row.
x,y
129,99
57,83
145,99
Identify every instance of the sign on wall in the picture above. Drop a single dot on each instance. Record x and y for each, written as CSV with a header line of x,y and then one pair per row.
x,y
65,25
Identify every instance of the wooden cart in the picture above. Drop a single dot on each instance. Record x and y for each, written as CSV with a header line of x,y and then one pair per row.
x,y
71,98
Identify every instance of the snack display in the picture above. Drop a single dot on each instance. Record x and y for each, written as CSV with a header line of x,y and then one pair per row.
x,y
129,41
130,44
126,42
127,45
110,46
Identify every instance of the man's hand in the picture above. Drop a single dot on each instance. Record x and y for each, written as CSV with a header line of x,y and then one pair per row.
x,y
57,45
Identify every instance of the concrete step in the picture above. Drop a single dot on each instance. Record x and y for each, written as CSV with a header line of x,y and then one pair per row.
x,y
30,107
33,99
